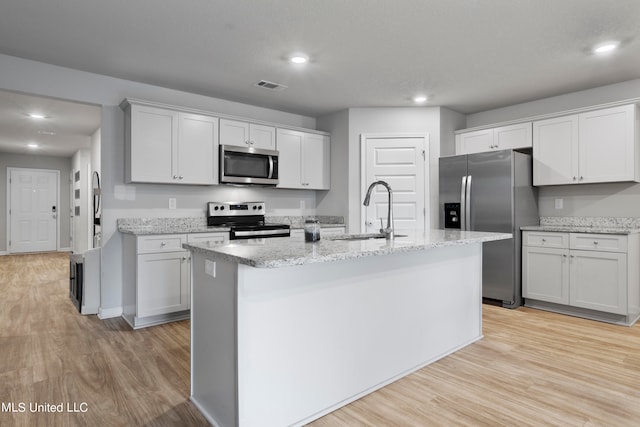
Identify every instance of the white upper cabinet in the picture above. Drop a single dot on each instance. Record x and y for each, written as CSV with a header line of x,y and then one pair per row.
x,y
499,138
171,147
590,147
245,134
303,160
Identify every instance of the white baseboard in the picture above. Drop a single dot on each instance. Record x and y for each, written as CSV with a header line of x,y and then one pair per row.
x,y
64,250
108,313
4,253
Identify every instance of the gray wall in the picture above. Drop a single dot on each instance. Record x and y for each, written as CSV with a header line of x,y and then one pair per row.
x,y
611,199
120,200
346,128
62,164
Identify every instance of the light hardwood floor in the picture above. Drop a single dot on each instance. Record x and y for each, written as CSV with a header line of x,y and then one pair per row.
x,y
532,368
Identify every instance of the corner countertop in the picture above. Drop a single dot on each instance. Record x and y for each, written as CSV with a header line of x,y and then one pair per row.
x,y
286,251
597,225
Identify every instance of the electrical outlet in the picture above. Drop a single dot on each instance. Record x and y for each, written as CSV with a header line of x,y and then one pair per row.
x,y
303,204
559,203
210,267
172,203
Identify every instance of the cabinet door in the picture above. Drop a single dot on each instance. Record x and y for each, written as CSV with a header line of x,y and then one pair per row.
x,y
545,274
289,160
197,150
513,136
316,170
152,138
261,136
476,141
162,283
234,133
555,151
599,281
607,145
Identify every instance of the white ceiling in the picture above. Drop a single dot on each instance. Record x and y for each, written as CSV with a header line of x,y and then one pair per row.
x,y
66,128
467,55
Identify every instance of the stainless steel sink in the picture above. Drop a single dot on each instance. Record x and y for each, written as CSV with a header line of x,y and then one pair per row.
x,y
363,236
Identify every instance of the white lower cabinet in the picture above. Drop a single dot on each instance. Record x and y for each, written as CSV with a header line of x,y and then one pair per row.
x,y
584,274
157,279
162,283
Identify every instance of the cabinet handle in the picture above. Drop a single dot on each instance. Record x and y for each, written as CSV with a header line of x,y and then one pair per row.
x,y
595,243
175,176
581,178
574,178
180,177
163,244
184,258
544,240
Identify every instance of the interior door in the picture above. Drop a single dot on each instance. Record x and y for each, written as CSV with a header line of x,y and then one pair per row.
x,y
401,162
33,210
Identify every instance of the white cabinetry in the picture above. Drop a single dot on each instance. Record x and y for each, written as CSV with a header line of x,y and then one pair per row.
x,y
499,138
590,147
245,134
583,274
170,147
304,160
157,276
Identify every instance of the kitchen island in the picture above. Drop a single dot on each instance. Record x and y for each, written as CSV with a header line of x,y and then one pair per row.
x,y
284,331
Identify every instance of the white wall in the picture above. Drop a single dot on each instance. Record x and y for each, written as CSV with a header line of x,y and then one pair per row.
x,y
614,199
62,164
148,200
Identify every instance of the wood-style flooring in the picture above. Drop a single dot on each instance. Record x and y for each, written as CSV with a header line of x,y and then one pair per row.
x,y
532,368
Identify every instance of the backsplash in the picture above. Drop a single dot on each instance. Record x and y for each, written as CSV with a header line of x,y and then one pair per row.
x,y
584,221
298,221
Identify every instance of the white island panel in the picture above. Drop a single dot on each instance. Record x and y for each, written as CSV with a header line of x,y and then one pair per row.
x,y
284,346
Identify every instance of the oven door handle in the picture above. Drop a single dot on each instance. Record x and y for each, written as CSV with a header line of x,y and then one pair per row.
x,y
270,167
259,233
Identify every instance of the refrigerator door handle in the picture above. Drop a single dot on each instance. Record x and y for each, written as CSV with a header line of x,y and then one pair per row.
x,y
467,198
463,204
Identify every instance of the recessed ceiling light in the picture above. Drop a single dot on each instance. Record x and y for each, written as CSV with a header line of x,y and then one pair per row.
x,y
37,116
606,47
420,99
299,58
32,145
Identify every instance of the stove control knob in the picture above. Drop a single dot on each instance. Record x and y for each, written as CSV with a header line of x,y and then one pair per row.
x,y
216,208
221,208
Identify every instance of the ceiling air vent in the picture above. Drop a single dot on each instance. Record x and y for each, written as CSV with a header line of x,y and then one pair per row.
x,y
265,84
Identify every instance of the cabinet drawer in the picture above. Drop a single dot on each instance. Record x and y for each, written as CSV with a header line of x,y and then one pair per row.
x,y
161,243
209,239
546,239
599,242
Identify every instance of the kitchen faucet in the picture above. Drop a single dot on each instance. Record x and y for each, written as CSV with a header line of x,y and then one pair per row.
x,y
388,232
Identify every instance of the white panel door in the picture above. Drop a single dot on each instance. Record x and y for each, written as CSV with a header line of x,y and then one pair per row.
x,y
33,210
399,161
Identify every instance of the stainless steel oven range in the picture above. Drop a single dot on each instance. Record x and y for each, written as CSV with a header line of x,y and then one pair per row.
x,y
246,220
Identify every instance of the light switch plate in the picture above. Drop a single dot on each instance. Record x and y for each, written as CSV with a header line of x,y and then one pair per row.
x,y
172,203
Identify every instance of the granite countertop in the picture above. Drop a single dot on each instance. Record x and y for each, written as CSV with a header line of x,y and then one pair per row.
x,y
598,225
284,251
150,226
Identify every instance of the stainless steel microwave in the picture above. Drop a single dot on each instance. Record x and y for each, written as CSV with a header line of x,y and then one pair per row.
x,y
244,165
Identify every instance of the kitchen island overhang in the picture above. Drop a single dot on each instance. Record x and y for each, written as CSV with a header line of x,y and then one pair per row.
x,y
283,331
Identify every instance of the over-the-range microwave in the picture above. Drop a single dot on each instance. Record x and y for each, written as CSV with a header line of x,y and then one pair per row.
x,y
247,165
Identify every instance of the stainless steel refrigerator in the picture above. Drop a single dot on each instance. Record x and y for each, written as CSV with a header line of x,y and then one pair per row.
x,y
491,191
